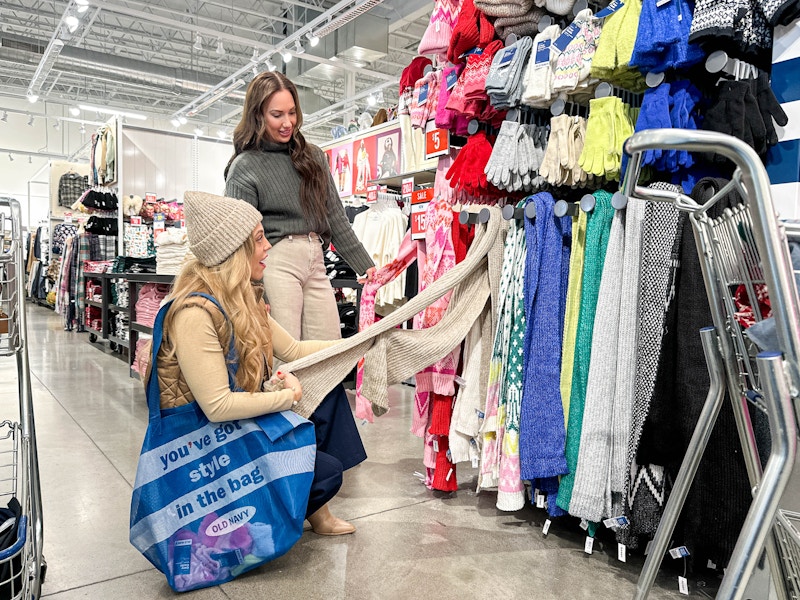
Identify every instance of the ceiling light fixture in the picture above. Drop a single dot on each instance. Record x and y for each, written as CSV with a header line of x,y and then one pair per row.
x,y
221,134
312,39
271,66
30,120
286,56
74,111
255,70
83,8
254,58
298,47
72,22
32,98
82,2
371,100
57,125
198,131
30,159
198,42
4,118
175,123
10,158
181,119
220,47
82,128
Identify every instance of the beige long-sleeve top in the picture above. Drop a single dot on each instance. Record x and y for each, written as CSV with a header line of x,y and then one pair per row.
x,y
202,363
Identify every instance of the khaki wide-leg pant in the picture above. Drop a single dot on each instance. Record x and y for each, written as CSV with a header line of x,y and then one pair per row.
x,y
298,290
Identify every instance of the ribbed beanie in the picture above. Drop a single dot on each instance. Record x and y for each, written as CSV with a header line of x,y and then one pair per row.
x,y
217,226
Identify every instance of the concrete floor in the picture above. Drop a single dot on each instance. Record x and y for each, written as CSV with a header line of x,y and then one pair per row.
x,y
410,543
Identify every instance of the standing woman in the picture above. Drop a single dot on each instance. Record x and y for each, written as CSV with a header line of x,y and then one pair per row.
x,y
288,180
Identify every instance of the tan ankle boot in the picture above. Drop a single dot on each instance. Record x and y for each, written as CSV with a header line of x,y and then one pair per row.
x,y
324,523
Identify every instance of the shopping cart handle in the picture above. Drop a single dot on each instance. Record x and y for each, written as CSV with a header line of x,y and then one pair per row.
x,y
692,140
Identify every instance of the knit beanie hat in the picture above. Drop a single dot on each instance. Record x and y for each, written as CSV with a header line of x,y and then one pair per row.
x,y
217,226
527,24
504,8
559,7
436,38
472,29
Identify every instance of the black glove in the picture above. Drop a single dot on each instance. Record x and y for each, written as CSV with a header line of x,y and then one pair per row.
x,y
769,107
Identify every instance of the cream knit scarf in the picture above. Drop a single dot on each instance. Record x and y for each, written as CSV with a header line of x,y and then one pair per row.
x,y
391,355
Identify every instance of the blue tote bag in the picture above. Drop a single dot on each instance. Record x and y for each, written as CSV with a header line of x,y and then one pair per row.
x,y
214,500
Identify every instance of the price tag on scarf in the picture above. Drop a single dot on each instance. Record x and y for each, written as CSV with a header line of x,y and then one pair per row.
x,y
423,94
589,545
372,193
610,9
508,55
437,143
540,500
451,79
546,528
137,220
159,222
679,552
683,586
616,522
566,37
150,197
622,551
542,53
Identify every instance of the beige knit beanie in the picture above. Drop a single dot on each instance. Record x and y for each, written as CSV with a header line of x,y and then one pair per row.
x,y
217,226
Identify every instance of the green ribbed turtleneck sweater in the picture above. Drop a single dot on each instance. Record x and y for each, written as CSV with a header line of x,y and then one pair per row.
x,y
267,179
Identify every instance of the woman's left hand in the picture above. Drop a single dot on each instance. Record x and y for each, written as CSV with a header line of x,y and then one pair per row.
x,y
369,276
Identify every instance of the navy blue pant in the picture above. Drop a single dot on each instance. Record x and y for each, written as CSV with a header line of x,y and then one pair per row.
x,y
339,447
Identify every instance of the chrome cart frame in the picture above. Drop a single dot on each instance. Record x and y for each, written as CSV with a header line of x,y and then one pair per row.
x,y
744,249
22,566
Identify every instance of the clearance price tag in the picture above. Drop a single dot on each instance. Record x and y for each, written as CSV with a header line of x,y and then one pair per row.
x,y
150,198
407,188
437,143
136,220
372,193
68,217
419,206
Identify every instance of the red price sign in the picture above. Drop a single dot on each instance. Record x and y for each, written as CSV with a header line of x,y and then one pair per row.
x,y
422,196
135,220
407,188
437,142
150,197
372,194
418,224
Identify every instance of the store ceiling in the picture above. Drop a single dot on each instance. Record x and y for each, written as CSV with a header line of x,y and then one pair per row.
x,y
172,58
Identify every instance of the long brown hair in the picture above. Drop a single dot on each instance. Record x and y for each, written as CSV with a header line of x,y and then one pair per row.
x,y
252,130
229,283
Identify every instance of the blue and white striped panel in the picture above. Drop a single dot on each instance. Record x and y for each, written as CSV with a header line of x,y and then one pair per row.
x,y
783,162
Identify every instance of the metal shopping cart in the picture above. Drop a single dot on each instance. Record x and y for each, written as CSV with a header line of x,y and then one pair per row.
x,y
22,566
741,251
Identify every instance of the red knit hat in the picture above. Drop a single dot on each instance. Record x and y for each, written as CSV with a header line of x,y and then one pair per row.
x,y
472,30
413,72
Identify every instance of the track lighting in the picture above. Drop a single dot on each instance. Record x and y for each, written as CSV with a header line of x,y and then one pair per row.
x,y
57,125
220,47
181,119
175,123
286,56
32,98
30,120
254,58
271,66
82,9
221,134
255,70
198,131
312,39
371,100
198,42
4,118
30,159
82,128
298,47
10,158
74,111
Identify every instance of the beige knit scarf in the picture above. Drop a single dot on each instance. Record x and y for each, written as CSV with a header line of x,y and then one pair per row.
x,y
392,355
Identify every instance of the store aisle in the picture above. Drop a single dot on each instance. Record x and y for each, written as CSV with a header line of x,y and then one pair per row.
x,y
410,543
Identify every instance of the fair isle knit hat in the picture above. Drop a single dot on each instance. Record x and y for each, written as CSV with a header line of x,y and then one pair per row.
x,y
217,226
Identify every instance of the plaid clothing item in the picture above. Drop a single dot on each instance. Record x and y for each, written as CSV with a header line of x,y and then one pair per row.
x,y
70,187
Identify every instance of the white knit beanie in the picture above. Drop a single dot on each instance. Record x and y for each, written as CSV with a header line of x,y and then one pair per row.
x,y
217,226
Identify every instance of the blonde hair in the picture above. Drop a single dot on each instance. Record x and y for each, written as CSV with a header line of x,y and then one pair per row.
x,y
229,283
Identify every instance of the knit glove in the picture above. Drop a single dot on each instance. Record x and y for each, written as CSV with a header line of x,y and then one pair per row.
x,y
599,135
654,114
417,111
445,118
684,99
503,158
754,123
769,107
550,167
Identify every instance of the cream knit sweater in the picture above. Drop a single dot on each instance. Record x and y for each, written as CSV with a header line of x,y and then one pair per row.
x,y
392,355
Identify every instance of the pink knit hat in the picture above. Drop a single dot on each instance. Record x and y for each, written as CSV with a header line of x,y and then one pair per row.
x,y
436,38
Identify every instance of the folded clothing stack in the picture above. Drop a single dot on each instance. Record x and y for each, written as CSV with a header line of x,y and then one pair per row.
x,y
172,248
149,301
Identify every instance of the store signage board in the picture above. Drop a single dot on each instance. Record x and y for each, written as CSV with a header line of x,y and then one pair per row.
x,y
372,194
419,206
159,222
437,143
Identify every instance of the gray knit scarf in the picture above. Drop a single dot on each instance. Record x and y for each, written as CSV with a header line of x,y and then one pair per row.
x,y
392,355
